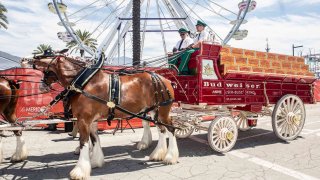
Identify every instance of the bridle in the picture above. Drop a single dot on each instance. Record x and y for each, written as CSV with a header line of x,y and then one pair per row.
x,y
46,72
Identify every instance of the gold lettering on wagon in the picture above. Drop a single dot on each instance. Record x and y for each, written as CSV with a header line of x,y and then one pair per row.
x,y
232,85
234,92
212,84
217,92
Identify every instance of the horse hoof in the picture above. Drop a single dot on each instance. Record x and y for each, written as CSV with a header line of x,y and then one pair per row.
x,y
78,173
77,151
158,155
97,164
72,135
142,146
170,159
16,158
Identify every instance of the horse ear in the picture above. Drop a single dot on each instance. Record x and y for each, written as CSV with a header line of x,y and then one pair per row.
x,y
63,51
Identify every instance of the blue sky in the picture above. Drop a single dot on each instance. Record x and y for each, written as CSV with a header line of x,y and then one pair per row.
x,y
283,22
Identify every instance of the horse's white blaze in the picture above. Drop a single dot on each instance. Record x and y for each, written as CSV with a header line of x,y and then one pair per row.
x,y
160,151
1,151
173,152
83,168
97,157
147,136
21,150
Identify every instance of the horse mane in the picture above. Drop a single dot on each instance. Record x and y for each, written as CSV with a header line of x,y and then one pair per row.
x,y
79,63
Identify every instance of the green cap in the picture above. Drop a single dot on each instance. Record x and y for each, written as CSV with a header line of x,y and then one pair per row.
x,y
200,23
183,30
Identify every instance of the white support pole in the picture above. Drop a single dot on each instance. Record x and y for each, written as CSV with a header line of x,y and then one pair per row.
x,y
107,41
113,49
69,29
144,29
162,34
177,5
236,26
174,14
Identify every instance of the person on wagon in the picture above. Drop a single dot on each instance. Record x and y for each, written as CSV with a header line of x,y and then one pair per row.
x,y
181,60
184,42
201,36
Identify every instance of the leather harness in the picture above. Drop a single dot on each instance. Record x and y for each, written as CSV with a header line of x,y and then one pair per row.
x,y
77,86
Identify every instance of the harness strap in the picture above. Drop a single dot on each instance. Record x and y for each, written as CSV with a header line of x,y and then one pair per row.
x,y
60,96
114,95
133,115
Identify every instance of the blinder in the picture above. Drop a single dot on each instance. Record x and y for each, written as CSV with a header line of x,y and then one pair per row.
x,y
47,54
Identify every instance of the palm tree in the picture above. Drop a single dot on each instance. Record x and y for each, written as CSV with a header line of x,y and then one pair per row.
x,y
3,18
87,40
41,48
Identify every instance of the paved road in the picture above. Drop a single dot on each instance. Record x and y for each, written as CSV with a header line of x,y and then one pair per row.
x,y
258,154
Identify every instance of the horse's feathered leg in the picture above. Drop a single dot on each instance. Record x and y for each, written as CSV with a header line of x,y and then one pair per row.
x,y
21,152
97,157
147,136
173,152
160,151
83,168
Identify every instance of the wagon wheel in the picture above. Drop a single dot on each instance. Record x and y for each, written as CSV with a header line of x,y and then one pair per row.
x,y
222,134
288,117
241,121
184,132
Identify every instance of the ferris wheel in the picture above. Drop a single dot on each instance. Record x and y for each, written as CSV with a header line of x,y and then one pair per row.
x,y
110,23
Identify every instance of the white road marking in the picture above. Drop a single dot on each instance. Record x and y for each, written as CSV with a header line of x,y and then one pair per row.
x,y
281,169
318,134
306,131
309,123
261,162
309,131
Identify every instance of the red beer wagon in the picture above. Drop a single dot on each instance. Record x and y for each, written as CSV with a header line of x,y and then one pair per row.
x,y
234,86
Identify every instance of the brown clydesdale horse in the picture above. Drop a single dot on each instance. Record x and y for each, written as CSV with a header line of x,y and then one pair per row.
x,y
8,102
137,94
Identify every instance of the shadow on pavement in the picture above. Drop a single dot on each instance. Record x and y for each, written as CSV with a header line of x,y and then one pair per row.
x,y
117,161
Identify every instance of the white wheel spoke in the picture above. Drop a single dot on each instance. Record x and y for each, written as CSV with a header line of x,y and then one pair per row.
x,y
292,104
289,104
281,120
295,106
285,106
297,109
282,111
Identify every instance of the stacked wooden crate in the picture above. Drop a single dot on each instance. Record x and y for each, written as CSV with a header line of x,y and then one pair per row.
x,y
243,60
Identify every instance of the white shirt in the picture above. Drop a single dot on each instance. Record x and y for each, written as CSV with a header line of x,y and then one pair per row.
x,y
202,36
186,42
